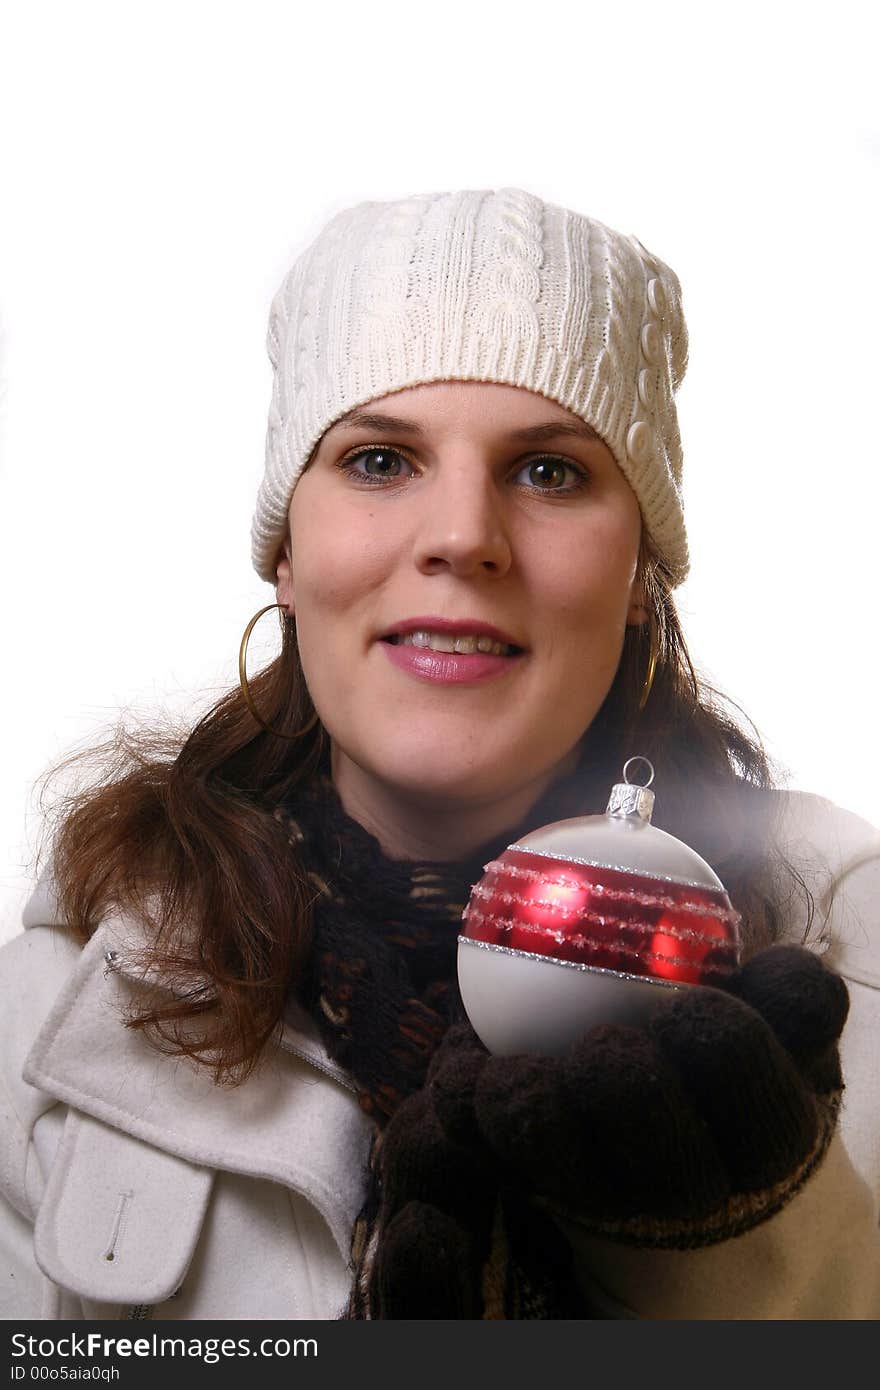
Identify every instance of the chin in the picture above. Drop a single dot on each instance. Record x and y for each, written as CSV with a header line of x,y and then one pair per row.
x,y
446,785
453,767
441,784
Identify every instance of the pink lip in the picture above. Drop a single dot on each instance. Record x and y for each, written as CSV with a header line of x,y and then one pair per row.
x,y
456,626
448,668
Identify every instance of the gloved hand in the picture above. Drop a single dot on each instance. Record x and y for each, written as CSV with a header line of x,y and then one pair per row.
x,y
457,1239
683,1134
679,1135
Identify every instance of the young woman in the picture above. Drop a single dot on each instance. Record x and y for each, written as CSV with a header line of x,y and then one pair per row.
x,y
238,1076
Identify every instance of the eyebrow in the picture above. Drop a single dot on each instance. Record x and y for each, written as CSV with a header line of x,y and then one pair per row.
x,y
393,425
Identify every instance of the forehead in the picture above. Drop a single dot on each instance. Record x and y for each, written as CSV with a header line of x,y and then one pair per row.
x,y
513,412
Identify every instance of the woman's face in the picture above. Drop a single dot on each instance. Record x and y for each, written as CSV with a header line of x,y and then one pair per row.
x,y
475,508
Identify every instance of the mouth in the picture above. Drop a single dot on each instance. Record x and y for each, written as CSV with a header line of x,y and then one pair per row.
x,y
446,658
466,644
458,636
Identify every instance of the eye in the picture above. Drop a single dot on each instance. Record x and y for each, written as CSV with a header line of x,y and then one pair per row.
x,y
548,472
379,463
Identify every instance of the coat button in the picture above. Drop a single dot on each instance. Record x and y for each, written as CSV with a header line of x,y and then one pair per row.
x,y
640,442
657,297
647,388
650,340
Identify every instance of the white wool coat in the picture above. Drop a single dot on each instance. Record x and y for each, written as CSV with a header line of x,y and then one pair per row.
x,y
133,1186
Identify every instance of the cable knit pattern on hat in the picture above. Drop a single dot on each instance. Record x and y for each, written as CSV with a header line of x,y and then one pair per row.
x,y
479,285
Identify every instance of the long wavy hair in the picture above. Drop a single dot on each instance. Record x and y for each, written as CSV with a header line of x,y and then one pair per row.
x,y
181,831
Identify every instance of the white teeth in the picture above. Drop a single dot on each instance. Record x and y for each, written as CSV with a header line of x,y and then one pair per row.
x,y
446,642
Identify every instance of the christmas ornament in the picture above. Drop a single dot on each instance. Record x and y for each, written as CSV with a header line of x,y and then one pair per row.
x,y
590,920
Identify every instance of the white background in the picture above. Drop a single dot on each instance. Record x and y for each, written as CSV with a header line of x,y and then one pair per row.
x,y
162,164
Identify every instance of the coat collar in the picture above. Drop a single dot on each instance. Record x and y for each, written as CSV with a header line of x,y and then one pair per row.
x,y
160,1126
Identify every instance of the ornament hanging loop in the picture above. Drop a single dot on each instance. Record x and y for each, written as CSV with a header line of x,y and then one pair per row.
x,y
638,759
632,800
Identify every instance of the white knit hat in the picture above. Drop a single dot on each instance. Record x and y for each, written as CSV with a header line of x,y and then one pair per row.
x,y
479,285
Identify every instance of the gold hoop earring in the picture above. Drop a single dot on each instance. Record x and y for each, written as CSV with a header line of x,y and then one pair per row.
x,y
652,667
245,688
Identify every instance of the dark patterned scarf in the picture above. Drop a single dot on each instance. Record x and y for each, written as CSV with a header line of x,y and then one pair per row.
x,y
381,981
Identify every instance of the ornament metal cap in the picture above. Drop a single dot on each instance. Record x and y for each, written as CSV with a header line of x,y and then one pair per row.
x,y
632,800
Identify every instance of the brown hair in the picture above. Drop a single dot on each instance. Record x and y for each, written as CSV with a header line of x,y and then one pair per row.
x,y
182,834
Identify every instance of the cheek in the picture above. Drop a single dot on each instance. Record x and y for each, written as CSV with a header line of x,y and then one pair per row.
x,y
586,577
336,555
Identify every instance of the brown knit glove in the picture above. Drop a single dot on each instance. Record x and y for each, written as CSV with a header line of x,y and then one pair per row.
x,y
680,1135
455,1238
434,1220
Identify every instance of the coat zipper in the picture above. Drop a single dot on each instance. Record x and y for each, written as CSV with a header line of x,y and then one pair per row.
x,y
111,966
333,1074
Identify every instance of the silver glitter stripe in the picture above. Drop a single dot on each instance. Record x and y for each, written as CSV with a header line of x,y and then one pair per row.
x,y
634,895
596,919
623,949
621,895
618,868
574,965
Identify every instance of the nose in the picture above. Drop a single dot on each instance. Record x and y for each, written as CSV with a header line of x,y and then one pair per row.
x,y
462,526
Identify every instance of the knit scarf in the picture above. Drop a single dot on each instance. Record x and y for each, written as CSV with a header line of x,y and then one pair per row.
x,y
381,984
